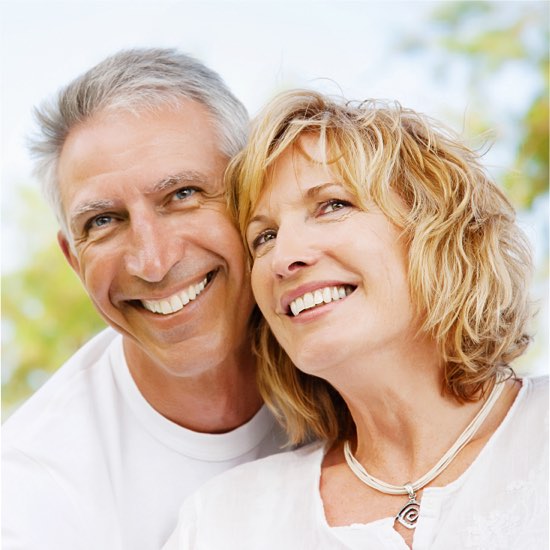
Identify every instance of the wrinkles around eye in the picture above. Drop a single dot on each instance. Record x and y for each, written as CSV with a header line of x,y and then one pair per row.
x,y
185,193
263,238
98,222
333,205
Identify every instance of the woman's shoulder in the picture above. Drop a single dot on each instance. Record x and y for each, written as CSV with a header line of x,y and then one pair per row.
x,y
533,397
278,469
526,423
537,384
274,475
278,490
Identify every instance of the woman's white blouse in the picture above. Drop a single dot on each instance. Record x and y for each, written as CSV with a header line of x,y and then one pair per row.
x,y
499,502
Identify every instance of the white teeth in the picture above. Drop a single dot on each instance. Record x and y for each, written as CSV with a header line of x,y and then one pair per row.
x,y
177,301
318,297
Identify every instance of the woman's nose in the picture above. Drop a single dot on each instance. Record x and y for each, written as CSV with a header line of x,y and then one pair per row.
x,y
294,250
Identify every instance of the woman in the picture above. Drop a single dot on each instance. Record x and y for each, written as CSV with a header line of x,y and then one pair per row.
x,y
392,280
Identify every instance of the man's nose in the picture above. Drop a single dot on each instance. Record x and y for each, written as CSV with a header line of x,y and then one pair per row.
x,y
294,250
151,249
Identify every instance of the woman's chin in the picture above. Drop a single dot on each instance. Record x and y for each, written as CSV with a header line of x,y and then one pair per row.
x,y
317,362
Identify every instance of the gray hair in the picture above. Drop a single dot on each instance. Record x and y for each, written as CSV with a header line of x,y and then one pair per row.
x,y
132,80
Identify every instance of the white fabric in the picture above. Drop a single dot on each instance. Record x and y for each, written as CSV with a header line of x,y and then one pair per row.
x,y
88,464
499,502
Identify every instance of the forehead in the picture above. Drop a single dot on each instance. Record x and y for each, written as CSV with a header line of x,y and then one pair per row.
x,y
296,171
112,150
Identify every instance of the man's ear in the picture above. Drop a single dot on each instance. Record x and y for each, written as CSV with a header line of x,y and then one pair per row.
x,y
67,252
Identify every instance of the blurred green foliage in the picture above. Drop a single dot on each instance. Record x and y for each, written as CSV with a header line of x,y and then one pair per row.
x,y
491,37
46,314
50,316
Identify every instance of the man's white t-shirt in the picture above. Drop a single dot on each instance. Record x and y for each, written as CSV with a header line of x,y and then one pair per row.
x,y
499,503
88,464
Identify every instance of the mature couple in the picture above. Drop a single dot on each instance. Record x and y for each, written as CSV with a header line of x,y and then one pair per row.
x,y
393,286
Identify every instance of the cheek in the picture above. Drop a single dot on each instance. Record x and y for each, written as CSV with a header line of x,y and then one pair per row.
x,y
97,277
223,238
261,289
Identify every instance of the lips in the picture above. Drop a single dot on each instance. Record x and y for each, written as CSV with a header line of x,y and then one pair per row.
x,y
179,300
318,297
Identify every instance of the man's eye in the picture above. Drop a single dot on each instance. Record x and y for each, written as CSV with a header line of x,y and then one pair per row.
x,y
263,238
184,193
99,221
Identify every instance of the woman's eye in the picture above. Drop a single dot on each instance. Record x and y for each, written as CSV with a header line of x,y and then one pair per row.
x,y
184,193
263,238
333,205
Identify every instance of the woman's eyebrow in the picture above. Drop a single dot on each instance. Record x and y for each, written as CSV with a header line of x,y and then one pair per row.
x,y
312,192
256,219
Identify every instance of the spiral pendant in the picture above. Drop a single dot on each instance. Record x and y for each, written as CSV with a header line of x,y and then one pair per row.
x,y
408,515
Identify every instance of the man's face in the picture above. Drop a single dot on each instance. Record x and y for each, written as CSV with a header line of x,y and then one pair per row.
x,y
155,248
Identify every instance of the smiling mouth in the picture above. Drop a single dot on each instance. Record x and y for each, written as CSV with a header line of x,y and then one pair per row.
x,y
319,297
178,301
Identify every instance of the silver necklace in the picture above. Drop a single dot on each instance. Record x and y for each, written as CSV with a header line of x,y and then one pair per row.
x,y
408,514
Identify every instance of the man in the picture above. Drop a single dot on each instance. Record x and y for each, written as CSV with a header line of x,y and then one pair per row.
x,y
132,154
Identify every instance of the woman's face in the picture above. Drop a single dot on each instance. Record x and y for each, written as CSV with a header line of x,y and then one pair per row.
x,y
330,278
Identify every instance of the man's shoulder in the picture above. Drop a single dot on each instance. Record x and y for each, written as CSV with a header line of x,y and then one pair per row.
x,y
66,395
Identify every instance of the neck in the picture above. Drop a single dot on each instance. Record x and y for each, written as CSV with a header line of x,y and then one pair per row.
x,y
215,400
404,421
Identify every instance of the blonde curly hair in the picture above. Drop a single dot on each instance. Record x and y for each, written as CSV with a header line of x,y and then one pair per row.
x,y
468,262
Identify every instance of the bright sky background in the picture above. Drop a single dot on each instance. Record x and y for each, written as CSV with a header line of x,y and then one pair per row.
x,y
259,47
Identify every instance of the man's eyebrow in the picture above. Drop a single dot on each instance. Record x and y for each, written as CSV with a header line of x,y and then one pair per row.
x,y
189,177
88,207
